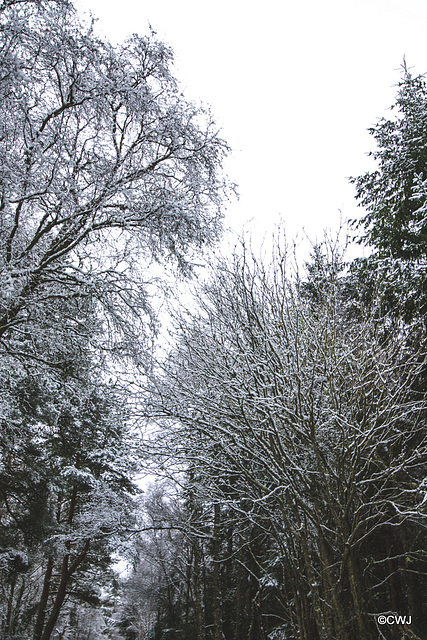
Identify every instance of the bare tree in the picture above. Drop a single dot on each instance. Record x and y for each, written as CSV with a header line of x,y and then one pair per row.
x,y
304,410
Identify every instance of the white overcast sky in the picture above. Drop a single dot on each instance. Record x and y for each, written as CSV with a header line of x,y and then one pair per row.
x,y
294,86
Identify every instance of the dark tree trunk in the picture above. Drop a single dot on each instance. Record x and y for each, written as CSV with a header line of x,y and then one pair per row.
x,y
216,574
66,574
200,622
41,613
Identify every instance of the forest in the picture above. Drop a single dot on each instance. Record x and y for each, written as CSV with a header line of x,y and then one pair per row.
x,y
197,445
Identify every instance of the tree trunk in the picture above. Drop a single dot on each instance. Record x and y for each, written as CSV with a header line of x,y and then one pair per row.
x,y
200,622
66,573
10,605
238,634
216,574
41,613
392,572
335,617
15,617
363,631
317,605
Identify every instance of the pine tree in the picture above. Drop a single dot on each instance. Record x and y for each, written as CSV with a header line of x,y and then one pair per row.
x,y
394,198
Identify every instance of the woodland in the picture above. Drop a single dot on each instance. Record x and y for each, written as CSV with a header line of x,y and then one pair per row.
x,y
244,461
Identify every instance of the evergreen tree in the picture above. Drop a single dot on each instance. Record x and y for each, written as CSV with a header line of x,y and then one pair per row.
x,y
394,198
65,494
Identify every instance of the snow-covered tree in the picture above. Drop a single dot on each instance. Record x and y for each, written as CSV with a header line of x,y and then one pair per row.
x,y
66,497
304,418
104,167
394,197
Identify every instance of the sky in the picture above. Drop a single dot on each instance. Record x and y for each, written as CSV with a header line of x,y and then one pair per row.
x,y
294,87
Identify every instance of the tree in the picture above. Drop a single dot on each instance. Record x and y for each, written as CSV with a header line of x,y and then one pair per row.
x,y
304,420
66,498
394,197
104,165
